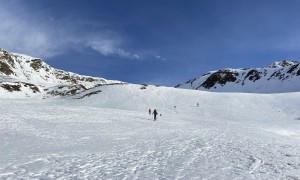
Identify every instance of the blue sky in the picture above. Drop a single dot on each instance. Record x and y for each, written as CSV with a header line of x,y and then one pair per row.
x,y
157,42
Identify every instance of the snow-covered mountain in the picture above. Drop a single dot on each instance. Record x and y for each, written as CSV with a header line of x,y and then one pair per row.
x,y
282,76
22,75
25,76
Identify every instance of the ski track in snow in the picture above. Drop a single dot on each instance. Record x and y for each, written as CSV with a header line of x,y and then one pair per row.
x,y
55,139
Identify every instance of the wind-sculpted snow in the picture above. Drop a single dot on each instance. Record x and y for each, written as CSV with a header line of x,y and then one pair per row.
x,y
110,135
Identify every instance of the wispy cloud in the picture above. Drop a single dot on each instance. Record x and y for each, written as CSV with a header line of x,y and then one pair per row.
x,y
19,35
111,47
160,58
27,33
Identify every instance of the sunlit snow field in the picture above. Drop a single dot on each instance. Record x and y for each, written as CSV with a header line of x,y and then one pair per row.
x,y
111,135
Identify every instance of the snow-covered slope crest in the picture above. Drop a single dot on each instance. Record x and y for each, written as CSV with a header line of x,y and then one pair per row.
x,y
278,77
22,75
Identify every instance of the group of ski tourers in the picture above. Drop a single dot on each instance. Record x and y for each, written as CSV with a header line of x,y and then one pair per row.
x,y
155,112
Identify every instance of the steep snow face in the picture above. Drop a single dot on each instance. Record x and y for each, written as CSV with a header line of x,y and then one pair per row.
x,y
277,77
17,70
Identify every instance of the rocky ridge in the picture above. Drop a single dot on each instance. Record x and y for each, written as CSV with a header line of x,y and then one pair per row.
x,y
25,76
281,76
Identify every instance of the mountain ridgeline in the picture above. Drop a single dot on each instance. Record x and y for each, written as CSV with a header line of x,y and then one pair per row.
x,y
278,77
25,76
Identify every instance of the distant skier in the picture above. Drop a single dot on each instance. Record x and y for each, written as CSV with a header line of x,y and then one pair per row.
x,y
149,111
155,114
197,104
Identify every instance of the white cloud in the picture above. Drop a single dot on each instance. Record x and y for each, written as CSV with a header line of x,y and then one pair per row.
x,y
104,46
26,33
126,54
160,58
110,47
26,36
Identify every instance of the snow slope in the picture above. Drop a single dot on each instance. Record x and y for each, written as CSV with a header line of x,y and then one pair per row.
x,y
278,77
110,135
24,76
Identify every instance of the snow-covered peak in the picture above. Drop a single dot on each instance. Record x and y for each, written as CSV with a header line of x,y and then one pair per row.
x,y
283,76
17,70
281,64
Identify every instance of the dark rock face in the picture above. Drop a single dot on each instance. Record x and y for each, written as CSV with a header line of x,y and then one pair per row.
x,y
75,79
17,87
278,74
36,64
66,90
285,63
220,77
191,81
178,85
33,87
253,75
5,69
292,69
90,94
11,87
7,57
144,86
6,62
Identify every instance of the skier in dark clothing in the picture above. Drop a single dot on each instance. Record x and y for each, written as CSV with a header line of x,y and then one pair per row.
x,y
149,111
155,114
